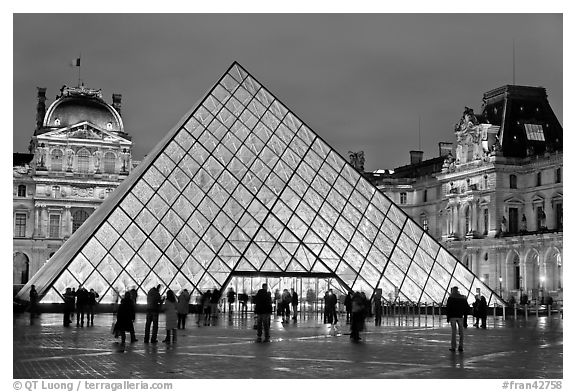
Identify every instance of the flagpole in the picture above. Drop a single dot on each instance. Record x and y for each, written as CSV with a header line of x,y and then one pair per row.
x,y
79,68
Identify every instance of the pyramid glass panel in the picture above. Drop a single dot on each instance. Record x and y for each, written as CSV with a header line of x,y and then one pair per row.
x,y
242,185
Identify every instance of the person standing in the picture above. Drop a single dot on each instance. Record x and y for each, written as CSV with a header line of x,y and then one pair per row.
x,y
125,319
483,311
214,300
330,302
68,306
456,310
33,307
377,300
243,300
475,306
348,305
231,296
357,314
153,305
206,307
81,303
183,308
263,311
91,304
294,303
285,301
171,313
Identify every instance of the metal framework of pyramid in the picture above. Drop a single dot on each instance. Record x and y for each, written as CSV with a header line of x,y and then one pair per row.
x,y
242,186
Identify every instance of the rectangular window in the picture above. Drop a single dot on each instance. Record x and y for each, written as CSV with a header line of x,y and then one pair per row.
x,y
54,226
403,198
534,132
513,220
559,218
20,225
425,195
558,175
485,221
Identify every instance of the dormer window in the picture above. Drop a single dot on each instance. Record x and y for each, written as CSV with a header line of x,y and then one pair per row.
x,y
57,122
109,126
513,181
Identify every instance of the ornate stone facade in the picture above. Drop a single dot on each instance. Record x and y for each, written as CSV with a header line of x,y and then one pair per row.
x,y
79,153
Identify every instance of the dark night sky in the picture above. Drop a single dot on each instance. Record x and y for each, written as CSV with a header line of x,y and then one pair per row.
x,y
361,81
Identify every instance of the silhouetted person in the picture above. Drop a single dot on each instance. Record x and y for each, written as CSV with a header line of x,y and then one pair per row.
x,y
377,300
214,299
33,307
475,307
285,301
206,307
125,319
153,306
456,309
294,303
243,300
92,295
330,303
348,305
171,313
69,299
231,297
483,311
263,311
357,316
183,308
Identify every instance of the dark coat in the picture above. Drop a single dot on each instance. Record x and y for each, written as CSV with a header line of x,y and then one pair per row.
x,y
456,306
482,308
263,302
153,300
125,315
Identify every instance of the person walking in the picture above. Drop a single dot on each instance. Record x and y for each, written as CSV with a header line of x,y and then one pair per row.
x,y
153,306
243,300
377,301
125,317
171,312
285,301
357,315
456,309
475,306
263,311
483,311
183,308
294,303
214,300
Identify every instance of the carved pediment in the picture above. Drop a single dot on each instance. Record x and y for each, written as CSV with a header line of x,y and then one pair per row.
x,y
514,200
84,130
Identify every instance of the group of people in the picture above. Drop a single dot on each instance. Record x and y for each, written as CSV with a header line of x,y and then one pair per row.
x,y
80,301
286,303
175,308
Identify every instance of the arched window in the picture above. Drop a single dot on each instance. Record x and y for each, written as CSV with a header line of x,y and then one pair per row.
x,y
21,190
83,161
513,181
56,160
78,218
109,162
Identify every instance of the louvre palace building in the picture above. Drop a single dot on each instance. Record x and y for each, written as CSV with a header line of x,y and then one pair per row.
x,y
79,153
241,191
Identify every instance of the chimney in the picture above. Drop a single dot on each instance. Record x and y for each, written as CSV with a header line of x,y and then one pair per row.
x,y
416,157
117,103
444,148
41,107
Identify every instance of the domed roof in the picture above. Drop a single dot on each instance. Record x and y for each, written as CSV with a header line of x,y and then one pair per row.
x,y
78,105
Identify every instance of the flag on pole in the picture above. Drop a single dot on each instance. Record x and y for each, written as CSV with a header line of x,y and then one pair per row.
x,y
75,62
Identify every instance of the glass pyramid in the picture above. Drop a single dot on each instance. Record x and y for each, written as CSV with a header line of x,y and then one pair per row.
x,y
241,185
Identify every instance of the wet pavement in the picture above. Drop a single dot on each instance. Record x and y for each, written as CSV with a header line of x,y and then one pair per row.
x,y
402,348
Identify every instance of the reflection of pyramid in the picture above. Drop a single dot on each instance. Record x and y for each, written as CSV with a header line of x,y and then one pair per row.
x,y
242,186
